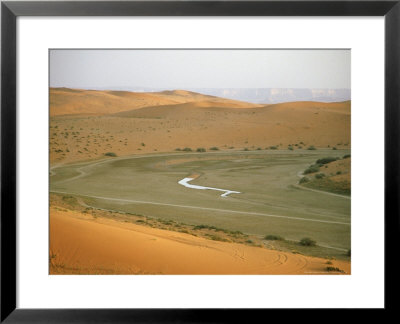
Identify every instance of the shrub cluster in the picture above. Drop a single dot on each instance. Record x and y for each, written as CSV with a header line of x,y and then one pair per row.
x,y
110,154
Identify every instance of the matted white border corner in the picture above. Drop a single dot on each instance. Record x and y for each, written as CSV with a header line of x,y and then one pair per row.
x,y
364,36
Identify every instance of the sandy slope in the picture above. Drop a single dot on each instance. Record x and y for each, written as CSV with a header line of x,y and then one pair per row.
x,y
64,101
82,244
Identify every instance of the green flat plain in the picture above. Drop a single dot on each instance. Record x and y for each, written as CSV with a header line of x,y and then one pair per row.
x,y
269,202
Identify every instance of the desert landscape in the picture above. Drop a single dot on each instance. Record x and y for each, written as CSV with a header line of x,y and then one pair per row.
x,y
180,182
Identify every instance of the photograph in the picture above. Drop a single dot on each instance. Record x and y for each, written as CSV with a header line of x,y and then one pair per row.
x,y
199,161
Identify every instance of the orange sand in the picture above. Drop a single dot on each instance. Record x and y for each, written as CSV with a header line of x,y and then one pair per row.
x,y
81,244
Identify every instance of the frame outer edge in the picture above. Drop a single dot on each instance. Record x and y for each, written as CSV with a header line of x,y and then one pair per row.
x,y
8,162
392,150
203,8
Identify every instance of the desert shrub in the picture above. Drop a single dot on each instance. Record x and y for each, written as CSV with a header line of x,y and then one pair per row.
x,y
326,160
187,149
143,144
346,156
249,241
214,148
335,269
178,149
328,262
274,147
349,252
304,180
272,237
334,148
201,149
339,172
246,149
319,176
69,199
290,148
311,148
110,154
258,148
306,241
311,169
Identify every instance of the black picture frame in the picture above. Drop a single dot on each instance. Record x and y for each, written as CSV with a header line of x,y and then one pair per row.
x,y
11,10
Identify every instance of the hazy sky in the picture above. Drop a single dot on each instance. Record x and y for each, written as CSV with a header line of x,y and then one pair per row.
x,y
180,69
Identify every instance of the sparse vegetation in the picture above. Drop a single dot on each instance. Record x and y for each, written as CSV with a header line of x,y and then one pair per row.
x,y
311,148
187,149
319,175
214,148
201,149
273,147
112,154
346,156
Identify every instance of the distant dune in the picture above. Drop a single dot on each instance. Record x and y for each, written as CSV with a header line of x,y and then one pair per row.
x,y
64,101
84,124
81,244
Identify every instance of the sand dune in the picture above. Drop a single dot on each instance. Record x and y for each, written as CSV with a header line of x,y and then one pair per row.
x,y
64,101
82,244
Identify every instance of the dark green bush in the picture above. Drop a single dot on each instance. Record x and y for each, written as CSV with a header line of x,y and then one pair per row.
x,y
304,180
311,148
214,148
201,149
319,176
272,237
187,149
110,154
307,242
311,169
346,156
274,147
326,160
